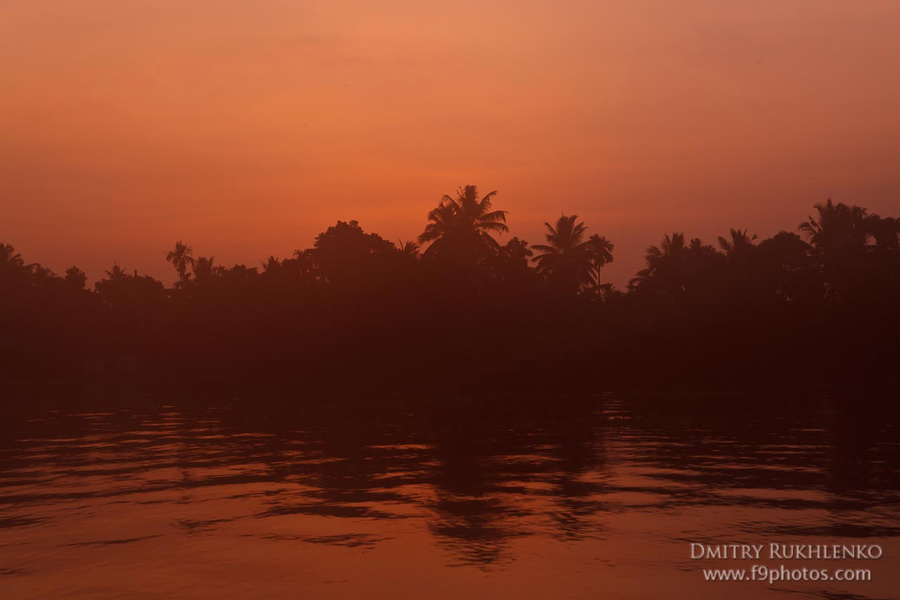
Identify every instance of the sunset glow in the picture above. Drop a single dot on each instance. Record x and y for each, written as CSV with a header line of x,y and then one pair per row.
x,y
247,128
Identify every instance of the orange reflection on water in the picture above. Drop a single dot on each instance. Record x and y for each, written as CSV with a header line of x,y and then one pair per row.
x,y
199,503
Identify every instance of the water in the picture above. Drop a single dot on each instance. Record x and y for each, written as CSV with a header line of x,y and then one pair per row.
x,y
588,498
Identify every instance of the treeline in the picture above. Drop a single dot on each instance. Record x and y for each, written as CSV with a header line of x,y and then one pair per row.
x,y
459,311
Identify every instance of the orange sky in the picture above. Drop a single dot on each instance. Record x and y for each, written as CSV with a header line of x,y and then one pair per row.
x,y
248,127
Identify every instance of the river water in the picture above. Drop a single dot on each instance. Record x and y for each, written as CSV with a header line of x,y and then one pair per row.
x,y
584,498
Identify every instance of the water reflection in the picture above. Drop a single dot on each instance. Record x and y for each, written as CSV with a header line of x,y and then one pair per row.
x,y
586,495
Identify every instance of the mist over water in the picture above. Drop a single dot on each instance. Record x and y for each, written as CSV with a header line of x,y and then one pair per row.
x,y
582,497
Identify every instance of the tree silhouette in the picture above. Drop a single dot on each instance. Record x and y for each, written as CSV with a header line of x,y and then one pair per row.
x,y
204,269
408,248
12,265
838,237
348,257
181,258
9,258
886,231
837,228
601,250
117,273
76,278
464,225
738,243
659,258
567,259
120,289
479,315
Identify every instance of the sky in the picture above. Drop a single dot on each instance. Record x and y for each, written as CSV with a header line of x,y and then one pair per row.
x,y
246,128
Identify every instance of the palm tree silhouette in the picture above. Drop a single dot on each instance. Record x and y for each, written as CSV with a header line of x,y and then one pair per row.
x,y
464,223
12,265
408,248
601,255
9,258
738,243
181,257
837,228
672,248
886,231
567,259
203,268
838,238
117,273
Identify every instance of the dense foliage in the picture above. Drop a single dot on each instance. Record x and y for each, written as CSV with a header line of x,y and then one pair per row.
x,y
469,313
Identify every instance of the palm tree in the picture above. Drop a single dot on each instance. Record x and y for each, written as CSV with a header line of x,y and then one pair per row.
x,y
601,255
567,258
117,273
272,264
181,257
838,228
408,248
738,243
672,248
442,221
203,268
9,256
839,238
11,262
464,223
886,231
